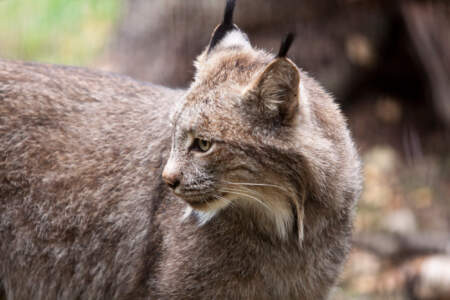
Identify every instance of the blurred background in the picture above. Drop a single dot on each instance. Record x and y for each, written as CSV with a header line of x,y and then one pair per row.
x,y
386,62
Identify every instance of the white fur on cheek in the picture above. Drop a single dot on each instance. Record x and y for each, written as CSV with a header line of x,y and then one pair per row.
x,y
283,219
273,209
187,212
204,216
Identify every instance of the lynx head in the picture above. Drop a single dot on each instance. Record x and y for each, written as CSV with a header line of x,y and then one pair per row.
x,y
235,134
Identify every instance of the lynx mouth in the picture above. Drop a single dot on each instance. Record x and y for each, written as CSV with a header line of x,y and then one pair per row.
x,y
197,200
202,202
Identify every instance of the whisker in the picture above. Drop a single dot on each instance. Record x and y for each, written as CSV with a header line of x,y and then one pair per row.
x,y
249,191
228,201
245,189
257,184
241,193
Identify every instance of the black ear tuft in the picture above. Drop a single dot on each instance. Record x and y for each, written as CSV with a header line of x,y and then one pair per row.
x,y
286,44
226,26
229,9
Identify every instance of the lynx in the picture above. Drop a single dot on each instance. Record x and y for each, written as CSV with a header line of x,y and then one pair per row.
x,y
241,187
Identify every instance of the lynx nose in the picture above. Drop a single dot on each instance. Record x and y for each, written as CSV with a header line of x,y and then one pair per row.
x,y
171,180
171,175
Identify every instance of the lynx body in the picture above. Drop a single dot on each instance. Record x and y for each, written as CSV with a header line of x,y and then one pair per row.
x,y
241,187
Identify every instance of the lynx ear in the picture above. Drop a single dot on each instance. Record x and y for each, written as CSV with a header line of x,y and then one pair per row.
x,y
228,34
275,92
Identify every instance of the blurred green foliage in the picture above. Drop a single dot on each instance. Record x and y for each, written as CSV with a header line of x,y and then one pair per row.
x,y
56,31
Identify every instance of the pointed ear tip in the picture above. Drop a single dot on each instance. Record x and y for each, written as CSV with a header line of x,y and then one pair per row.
x,y
226,26
287,63
286,44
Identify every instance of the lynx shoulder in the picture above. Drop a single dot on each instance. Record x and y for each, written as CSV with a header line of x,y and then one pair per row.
x,y
241,187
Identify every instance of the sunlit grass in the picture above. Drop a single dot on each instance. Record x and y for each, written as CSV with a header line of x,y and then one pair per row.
x,y
56,31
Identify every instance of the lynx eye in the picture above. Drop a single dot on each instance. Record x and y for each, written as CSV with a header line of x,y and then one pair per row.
x,y
201,145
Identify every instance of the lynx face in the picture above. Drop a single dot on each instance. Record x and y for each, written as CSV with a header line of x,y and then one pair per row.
x,y
209,150
232,131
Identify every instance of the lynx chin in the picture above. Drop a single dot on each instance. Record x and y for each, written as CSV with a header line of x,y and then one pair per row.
x,y
241,187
